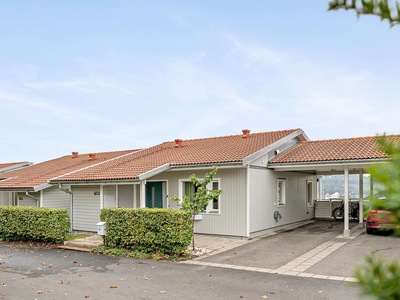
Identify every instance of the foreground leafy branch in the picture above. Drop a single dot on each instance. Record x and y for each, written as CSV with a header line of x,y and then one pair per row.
x,y
377,277
380,8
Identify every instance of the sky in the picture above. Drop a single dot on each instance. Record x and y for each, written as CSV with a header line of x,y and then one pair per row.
x,y
94,76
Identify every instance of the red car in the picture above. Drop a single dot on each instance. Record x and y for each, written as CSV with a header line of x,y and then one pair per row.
x,y
379,219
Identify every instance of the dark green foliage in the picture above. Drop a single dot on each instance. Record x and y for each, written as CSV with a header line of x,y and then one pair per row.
x,y
19,223
379,278
388,175
148,230
379,8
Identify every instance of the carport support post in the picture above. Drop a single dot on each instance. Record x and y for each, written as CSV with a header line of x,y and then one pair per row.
x,y
360,200
346,231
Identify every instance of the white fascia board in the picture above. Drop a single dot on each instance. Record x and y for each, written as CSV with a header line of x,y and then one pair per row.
x,y
206,167
41,187
154,172
252,157
325,165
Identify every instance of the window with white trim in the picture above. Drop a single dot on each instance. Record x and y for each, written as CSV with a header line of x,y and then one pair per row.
x,y
310,193
189,189
281,192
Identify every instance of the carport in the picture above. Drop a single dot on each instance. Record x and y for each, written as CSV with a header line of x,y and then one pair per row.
x,y
334,157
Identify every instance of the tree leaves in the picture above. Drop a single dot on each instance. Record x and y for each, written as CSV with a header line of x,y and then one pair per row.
x,y
379,8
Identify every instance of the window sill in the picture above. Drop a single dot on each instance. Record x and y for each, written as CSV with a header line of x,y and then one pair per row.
x,y
211,213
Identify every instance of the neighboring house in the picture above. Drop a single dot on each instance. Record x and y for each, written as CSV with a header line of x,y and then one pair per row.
x,y
29,186
252,193
9,198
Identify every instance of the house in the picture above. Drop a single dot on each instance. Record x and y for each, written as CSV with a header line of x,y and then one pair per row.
x,y
28,186
269,179
7,198
247,205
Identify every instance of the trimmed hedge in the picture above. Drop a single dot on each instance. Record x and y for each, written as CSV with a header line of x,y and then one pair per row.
x,y
148,230
18,223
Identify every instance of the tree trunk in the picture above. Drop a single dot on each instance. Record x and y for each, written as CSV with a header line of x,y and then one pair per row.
x,y
193,231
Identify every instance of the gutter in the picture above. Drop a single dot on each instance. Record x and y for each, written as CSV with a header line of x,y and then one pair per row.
x,y
327,163
71,204
30,196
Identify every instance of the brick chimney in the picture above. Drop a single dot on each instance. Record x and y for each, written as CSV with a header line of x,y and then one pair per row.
x,y
74,154
178,143
246,133
92,156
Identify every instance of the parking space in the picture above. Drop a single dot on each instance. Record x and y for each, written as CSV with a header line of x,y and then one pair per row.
x,y
316,250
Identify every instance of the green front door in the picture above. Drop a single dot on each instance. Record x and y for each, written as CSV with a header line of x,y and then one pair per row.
x,y
154,194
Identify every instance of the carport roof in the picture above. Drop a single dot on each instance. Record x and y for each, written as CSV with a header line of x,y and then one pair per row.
x,y
350,151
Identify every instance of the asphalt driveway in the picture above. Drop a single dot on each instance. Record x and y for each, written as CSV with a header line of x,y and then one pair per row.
x,y
275,251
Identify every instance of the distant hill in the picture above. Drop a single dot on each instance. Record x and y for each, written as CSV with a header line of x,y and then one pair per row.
x,y
335,184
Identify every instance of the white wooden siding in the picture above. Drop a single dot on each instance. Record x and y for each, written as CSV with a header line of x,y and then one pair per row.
x,y
232,217
53,197
263,200
86,208
7,198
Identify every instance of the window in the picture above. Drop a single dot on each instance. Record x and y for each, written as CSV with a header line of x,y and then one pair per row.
x,y
310,193
189,189
281,191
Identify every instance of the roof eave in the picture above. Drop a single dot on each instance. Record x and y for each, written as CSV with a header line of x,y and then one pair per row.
x,y
154,172
316,165
252,157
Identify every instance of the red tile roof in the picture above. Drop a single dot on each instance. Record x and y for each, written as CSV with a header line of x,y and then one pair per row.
x,y
206,151
350,149
35,175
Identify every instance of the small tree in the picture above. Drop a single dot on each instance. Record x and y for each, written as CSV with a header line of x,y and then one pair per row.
x,y
201,197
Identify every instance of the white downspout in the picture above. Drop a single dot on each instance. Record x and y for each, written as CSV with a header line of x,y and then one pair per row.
x,y
71,207
346,231
30,196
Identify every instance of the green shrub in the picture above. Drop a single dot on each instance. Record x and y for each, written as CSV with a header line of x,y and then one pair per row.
x,y
18,223
148,230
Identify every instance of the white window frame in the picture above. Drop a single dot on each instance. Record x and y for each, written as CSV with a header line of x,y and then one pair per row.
x,y
209,207
310,196
281,192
